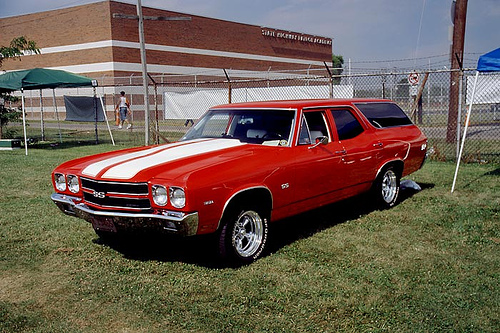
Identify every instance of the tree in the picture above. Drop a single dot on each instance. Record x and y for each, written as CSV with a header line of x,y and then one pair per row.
x,y
337,63
18,46
7,114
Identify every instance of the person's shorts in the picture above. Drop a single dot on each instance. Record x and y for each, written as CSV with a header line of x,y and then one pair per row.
x,y
123,114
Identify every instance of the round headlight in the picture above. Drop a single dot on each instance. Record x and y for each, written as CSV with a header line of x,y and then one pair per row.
x,y
177,197
160,196
60,182
73,184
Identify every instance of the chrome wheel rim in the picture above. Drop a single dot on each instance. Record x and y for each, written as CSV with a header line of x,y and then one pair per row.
x,y
248,233
389,186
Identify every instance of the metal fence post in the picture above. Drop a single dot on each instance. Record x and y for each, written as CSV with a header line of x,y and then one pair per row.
x,y
330,76
230,90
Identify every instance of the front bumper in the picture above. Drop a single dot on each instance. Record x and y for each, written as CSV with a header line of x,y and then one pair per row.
x,y
173,222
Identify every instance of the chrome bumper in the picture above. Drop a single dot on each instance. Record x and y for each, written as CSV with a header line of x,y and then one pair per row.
x,y
173,222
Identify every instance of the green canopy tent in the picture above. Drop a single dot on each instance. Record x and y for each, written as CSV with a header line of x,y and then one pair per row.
x,y
41,78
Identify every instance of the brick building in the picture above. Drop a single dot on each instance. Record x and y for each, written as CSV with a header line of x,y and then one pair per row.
x,y
97,40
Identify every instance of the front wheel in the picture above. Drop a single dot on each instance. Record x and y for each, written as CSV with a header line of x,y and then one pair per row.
x,y
386,189
243,235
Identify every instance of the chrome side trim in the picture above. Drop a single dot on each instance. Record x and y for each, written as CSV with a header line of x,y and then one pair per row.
x,y
407,151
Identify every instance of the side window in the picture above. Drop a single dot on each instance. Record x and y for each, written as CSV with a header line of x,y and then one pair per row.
x,y
312,127
383,115
304,138
347,125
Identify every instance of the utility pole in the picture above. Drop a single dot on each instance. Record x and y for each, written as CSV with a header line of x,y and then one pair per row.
x,y
142,43
457,56
144,73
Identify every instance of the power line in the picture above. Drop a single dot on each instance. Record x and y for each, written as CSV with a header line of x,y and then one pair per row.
x,y
399,60
419,31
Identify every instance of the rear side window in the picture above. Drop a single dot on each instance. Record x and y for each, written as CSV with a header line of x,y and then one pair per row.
x,y
347,125
383,115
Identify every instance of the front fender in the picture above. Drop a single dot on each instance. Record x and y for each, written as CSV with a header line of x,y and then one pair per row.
x,y
259,195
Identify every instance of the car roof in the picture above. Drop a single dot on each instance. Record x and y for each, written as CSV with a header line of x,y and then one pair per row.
x,y
299,103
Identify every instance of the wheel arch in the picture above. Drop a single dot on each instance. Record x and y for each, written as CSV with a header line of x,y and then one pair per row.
x,y
259,195
398,165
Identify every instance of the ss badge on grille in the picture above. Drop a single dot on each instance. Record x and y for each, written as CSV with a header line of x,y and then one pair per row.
x,y
100,195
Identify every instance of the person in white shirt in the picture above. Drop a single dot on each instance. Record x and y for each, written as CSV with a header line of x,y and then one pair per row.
x,y
124,108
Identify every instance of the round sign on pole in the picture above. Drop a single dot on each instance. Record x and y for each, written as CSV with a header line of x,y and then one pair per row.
x,y
413,78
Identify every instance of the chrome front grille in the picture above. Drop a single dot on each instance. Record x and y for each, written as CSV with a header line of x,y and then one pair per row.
x,y
116,195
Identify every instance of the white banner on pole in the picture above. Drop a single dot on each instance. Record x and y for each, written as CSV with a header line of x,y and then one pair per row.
x,y
487,91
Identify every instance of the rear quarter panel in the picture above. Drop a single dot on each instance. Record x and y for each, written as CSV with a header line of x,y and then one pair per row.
x,y
403,143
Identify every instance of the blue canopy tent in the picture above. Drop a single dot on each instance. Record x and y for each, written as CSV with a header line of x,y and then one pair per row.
x,y
489,62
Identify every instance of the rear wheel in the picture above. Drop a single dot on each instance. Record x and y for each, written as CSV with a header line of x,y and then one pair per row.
x,y
386,189
243,235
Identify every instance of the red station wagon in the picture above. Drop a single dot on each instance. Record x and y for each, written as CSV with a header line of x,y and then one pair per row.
x,y
244,165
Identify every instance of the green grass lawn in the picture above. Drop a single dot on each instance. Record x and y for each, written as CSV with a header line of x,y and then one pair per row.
x,y
430,264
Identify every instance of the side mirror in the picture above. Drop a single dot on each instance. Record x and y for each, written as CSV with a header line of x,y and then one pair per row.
x,y
321,140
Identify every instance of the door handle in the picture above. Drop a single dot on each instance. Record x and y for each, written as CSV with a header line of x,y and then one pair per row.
x,y
343,152
378,144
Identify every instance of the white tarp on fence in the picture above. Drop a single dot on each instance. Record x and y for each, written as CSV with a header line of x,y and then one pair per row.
x,y
185,104
487,91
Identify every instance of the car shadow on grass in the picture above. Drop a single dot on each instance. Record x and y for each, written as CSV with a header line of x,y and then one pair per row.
x,y
198,250
307,224
202,250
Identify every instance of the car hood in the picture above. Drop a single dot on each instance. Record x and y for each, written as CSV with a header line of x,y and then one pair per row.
x,y
168,161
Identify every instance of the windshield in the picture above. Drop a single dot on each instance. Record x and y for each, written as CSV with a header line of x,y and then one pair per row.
x,y
269,127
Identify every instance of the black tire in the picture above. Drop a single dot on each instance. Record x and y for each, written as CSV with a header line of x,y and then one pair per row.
x,y
386,187
243,235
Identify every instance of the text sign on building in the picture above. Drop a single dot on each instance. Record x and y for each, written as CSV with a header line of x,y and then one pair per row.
x,y
295,36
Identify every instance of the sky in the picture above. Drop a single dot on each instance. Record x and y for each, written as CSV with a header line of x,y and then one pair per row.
x,y
372,34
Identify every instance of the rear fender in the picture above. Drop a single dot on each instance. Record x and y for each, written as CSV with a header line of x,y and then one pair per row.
x,y
398,165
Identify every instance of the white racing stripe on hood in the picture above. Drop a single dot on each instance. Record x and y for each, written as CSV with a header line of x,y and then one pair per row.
x,y
95,168
129,169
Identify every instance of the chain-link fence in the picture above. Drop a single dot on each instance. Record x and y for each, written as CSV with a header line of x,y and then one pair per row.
x,y
175,102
